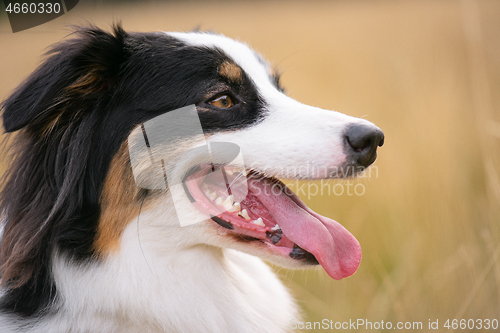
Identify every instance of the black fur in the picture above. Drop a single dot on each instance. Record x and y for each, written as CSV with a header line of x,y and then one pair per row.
x,y
74,112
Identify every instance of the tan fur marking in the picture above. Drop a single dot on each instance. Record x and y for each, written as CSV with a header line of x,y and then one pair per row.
x,y
232,71
119,203
51,124
85,85
90,82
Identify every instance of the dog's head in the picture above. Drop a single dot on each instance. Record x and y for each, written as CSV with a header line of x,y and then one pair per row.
x,y
74,186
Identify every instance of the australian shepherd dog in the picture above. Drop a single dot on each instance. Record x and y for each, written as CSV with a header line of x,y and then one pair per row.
x,y
143,189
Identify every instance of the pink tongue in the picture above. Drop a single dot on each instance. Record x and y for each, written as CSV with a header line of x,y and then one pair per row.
x,y
333,246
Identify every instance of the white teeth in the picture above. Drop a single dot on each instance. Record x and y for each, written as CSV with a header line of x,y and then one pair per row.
x,y
230,199
276,227
259,221
244,214
228,203
236,207
211,195
227,206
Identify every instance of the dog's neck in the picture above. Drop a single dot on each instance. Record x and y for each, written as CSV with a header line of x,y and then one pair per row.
x,y
167,285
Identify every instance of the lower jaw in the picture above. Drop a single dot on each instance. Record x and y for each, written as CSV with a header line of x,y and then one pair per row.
x,y
246,220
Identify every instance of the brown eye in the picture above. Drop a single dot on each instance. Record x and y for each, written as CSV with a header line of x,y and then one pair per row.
x,y
222,102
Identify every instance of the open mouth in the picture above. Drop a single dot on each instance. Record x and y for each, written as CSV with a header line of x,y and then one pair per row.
x,y
257,208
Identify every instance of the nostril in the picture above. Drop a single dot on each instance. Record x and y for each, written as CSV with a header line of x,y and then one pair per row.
x,y
381,143
381,138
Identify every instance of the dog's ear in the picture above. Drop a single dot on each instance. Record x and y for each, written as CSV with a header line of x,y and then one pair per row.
x,y
49,183
78,70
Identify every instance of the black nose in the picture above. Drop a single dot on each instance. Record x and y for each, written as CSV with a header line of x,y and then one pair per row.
x,y
361,142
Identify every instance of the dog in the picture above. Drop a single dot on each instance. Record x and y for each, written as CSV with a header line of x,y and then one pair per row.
x,y
88,245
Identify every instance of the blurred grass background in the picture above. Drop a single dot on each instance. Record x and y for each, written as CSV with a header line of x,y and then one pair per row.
x,y
427,73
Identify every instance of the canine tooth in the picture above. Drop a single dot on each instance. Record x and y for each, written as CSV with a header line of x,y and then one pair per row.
x,y
219,200
244,214
228,203
276,227
260,222
236,207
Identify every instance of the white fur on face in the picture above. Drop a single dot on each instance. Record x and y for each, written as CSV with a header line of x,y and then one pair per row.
x,y
294,140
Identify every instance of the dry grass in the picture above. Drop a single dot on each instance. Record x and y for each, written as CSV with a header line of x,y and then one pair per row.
x,y
426,73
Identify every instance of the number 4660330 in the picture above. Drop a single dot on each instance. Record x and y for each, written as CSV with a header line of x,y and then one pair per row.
x,y
33,8
471,324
